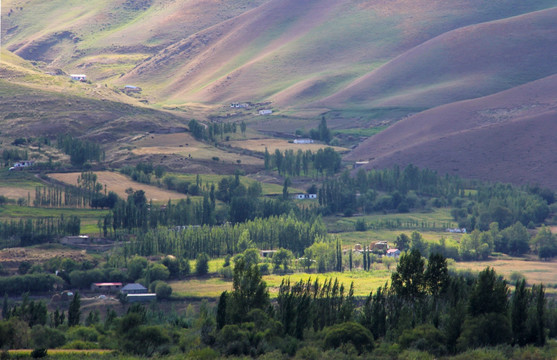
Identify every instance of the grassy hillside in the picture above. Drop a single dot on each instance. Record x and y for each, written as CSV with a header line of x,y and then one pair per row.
x,y
462,64
294,53
504,137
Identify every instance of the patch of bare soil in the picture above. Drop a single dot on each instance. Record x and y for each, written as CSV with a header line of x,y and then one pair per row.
x,y
11,258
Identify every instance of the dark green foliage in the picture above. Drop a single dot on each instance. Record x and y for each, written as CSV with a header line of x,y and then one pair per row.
x,y
39,353
44,337
202,264
249,292
488,329
74,311
36,231
409,281
436,274
80,151
324,161
19,284
163,291
489,295
519,313
275,232
348,332
424,338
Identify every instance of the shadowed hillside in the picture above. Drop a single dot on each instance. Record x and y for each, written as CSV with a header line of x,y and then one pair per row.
x,y
36,104
462,64
293,53
506,137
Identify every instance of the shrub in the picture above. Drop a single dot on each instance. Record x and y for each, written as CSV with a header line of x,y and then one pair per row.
x,y
202,264
352,332
38,353
163,291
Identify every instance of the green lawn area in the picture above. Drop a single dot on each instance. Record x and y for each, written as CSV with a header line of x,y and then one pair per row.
x,y
366,237
89,217
438,219
364,282
267,188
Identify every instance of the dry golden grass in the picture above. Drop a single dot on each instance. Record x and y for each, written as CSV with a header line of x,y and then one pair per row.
x,y
535,272
119,183
16,193
259,145
183,144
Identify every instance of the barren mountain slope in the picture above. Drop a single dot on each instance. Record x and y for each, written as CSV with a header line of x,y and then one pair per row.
x,y
466,63
507,137
295,53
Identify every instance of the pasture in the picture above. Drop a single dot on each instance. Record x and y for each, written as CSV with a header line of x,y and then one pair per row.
x,y
364,282
119,183
183,144
259,145
534,271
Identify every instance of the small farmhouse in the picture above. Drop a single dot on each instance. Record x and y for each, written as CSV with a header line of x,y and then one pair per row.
x,y
21,164
358,164
305,196
134,289
78,77
141,297
267,253
106,287
303,141
265,112
131,89
394,253
379,246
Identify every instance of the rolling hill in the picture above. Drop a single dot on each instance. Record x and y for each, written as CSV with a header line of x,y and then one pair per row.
x,y
505,137
344,54
469,84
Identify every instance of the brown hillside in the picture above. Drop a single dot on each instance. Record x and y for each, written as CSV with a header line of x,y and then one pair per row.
x,y
506,137
465,63
298,52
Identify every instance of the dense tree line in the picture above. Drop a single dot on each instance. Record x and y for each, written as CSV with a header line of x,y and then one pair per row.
x,y
213,130
142,172
11,155
36,231
289,163
80,151
271,233
475,204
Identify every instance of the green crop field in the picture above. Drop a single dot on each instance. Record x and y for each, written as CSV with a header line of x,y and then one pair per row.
x,y
438,218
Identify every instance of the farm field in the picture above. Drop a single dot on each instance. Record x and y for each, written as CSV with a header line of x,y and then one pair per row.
x,y
534,272
183,144
349,239
364,282
438,218
271,145
267,188
15,185
119,183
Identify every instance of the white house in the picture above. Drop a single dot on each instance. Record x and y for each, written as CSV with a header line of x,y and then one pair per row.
x,y
305,196
21,164
265,112
303,141
78,77
131,88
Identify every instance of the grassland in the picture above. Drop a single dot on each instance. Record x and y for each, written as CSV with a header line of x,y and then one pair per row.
x,y
259,145
267,188
438,218
183,144
364,282
119,183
